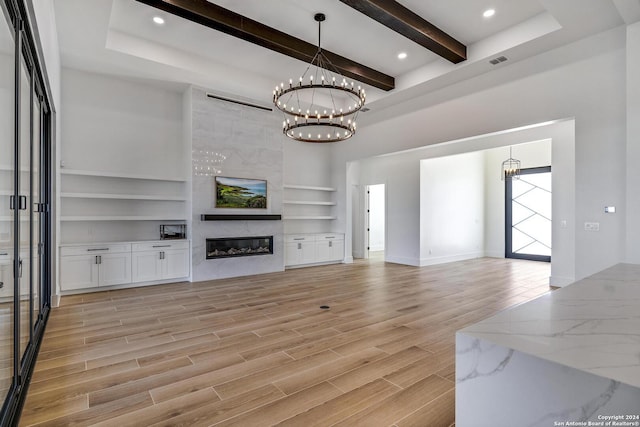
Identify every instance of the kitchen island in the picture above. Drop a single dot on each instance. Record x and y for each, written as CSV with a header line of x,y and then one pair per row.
x,y
569,357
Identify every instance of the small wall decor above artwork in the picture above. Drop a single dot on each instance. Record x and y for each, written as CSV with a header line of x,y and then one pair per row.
x,y
241,193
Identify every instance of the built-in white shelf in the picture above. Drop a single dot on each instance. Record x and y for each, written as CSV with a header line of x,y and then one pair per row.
x,y
23,169
119,175
307,202
122,196
122,218
323,217
307,187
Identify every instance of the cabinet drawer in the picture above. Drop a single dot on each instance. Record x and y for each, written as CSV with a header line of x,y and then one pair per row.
x,y
293,238
330,236
107,248
160,245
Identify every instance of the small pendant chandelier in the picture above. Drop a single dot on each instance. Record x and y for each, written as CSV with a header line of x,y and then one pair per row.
x,y
510,168
318,107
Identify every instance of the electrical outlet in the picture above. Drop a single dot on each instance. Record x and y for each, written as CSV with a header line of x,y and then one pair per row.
x,y
591,226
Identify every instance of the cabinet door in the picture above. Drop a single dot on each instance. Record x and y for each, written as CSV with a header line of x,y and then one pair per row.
x,y
146,266
291,256
175,263
6,280
308,253
337,250
78,272
115,269
323,250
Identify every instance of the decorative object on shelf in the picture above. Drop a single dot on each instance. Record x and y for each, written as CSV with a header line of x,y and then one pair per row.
x,y
510,168
324,109
241,193
173,231
207,163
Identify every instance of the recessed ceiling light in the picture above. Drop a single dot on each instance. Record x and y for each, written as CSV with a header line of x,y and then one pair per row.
x,y
158,20
489,13
402,55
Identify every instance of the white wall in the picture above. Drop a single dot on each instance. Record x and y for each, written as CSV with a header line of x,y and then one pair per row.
x,y
377,219
584,81
633,144
117,125
452,208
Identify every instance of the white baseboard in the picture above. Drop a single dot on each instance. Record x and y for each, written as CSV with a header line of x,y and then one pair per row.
x,y
560,281
492,254
348,260
123,286
450,258
402,260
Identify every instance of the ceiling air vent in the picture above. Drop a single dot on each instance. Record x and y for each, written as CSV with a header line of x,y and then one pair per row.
x,y
499,59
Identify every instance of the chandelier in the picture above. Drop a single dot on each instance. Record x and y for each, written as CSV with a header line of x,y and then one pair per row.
x,y
510,168
318,107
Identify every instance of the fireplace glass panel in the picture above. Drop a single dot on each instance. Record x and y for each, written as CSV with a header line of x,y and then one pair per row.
x,y
239,246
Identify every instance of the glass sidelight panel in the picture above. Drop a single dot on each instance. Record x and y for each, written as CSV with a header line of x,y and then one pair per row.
x,y
24,200
528,215
7,172
37,234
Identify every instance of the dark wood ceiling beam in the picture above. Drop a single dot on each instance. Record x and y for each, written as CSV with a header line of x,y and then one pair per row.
x,y
234,24
393,15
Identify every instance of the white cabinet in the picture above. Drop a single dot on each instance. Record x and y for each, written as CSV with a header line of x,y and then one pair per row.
x,y
6,276
329,247
309,249
160,260
299,249
78,272
91,266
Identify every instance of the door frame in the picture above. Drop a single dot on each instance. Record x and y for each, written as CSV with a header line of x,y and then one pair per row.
x,y
508,194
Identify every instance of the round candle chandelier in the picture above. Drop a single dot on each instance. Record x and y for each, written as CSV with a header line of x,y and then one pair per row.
x,y
318,107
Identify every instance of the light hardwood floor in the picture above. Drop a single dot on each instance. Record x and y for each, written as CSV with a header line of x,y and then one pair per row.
x,y
259,351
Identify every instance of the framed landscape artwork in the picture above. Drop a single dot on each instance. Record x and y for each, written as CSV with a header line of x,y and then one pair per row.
x,y
241,193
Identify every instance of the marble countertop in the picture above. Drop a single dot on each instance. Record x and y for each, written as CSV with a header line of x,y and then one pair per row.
x,y
592,325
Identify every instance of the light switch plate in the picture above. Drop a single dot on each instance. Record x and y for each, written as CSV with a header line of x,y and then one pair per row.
x,y
592,226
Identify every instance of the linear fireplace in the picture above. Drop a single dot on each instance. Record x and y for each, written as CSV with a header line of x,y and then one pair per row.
x,y
239,246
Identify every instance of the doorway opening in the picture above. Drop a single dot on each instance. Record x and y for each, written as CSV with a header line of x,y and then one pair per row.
x,y
375,221
528,215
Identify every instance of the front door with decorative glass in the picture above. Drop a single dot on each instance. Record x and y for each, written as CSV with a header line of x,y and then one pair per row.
x,y
528,215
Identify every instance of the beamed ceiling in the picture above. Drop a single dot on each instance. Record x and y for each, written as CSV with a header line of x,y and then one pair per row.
x,y
243,48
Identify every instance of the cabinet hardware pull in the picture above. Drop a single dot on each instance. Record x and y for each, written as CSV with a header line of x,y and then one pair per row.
x,y
4,253
22,202
20,268
97,249
330,244
99,259
299,238
330,237
161,246
299,245
1,285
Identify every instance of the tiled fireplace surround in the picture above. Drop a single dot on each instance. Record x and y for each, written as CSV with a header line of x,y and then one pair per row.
x,y
241,142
